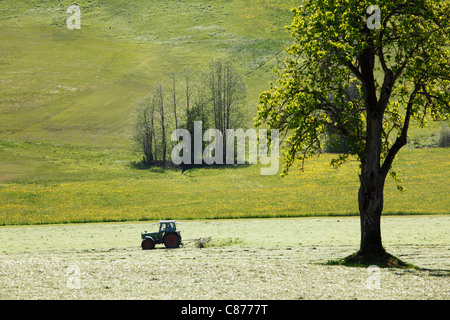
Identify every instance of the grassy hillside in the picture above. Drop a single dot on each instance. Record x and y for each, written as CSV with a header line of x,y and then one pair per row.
x,y
80,85
66,97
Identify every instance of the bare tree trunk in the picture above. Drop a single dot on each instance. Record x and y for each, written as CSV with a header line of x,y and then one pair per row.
x,y
187,90
154,152
163,126
212,85
218,69
174,96
228,97
147,140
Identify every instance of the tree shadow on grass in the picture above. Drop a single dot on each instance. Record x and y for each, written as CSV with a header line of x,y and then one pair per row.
x,y
384,260
157,167
160,167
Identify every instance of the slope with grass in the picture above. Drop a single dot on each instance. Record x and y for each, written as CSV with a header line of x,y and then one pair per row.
x,y
79,86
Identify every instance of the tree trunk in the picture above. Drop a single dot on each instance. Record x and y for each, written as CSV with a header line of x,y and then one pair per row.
x,y
370,195
175,103
163,126
370,199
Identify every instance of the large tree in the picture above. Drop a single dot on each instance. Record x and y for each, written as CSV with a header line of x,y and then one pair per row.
x,y
397,55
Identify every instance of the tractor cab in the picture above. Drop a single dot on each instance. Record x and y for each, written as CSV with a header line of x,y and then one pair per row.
x,y
167,226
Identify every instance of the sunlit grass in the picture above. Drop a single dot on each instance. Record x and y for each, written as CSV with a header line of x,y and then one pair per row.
x,y
64,184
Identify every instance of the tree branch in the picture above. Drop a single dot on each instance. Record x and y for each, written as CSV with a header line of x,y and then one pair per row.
x,y
402,139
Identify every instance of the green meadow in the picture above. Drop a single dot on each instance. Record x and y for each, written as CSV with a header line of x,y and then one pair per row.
x,y
66,98
47,183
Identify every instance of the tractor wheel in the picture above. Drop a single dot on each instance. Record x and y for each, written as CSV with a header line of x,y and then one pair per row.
x,y
148,244
172,240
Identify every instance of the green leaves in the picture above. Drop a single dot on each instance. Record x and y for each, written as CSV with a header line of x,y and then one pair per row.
x,y
400,70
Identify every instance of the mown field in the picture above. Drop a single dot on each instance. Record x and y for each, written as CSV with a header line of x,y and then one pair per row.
x,y
66,161
269,259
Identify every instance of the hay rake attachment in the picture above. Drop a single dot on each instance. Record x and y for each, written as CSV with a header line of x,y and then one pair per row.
x,y
199,242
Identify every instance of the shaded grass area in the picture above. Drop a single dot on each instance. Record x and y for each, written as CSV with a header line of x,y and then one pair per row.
x,y
61,183
386,260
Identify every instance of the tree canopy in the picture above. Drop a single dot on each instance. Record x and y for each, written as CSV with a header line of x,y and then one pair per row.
x,y
401,70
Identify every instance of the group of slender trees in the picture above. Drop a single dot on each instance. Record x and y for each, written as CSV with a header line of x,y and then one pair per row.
x,y
216,97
